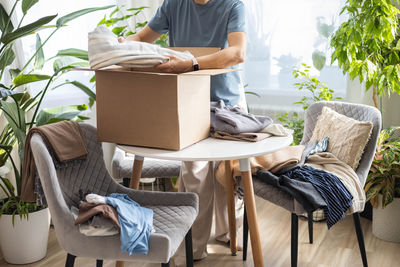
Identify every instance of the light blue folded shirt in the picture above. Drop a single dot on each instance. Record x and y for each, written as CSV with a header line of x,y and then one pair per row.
x,y
136,223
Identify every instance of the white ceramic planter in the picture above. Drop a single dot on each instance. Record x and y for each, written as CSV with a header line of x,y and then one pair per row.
x,y
386,222
26,242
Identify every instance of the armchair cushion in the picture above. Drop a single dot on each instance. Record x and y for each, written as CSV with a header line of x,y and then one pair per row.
x,y
347,137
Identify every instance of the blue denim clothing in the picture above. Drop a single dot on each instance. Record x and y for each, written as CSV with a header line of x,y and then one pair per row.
x,y
136,223
338,199
192,25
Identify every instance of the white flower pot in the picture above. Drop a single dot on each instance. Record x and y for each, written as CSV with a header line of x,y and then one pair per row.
x,y
26,242
386,222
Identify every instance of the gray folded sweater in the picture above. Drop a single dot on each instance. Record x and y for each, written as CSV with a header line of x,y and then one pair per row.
x,y
234,120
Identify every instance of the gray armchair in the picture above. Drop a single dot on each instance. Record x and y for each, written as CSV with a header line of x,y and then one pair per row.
x,y
174,213
284,200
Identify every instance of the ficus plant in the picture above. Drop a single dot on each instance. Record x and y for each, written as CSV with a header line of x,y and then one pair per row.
x,y
22,110
367,45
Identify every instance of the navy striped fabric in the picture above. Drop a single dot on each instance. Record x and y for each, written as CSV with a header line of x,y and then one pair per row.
x,y
332,190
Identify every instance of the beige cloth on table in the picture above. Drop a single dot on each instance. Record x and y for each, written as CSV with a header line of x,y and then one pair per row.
x,y
284,158
64,139
251,137
328,162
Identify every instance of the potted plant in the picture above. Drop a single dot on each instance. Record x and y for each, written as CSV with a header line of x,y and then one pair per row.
x,y
24,226
383,186
315,91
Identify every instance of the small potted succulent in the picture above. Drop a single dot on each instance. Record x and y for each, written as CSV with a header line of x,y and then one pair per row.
x,y
383,186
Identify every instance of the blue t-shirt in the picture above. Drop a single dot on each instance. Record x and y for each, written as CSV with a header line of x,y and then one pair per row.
x,y
193,25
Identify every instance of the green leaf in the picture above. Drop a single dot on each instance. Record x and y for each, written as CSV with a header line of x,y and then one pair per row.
x,y
91,102
74,52
137,8
71,16
14,73
4,18
16,120
25,30
6,58
319,59
52,115
9,186
39,59
84,88
252,93
118,30
29,78
27,4
67,62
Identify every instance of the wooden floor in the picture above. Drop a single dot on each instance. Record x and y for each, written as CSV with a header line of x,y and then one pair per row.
x,y
336,247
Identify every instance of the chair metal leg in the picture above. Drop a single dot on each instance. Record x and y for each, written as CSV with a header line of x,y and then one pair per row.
x,y
360,237
99,263
245,234
310,227
294,245
165,264
189,248
70,260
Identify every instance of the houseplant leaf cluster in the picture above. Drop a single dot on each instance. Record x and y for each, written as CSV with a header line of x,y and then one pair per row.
x,y
22,110
315,90
384,175
367,45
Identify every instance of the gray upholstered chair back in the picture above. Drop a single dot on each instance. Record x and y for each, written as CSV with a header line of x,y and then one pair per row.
x,y
356,111
88,175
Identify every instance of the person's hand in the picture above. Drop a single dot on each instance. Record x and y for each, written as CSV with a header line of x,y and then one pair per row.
x,y
121,39
175,65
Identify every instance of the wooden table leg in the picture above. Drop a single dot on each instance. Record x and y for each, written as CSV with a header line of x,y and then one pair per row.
x,y
136,172
135,180
230,201
250,203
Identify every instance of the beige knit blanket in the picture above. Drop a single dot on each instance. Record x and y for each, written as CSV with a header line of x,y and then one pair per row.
x,y
328,162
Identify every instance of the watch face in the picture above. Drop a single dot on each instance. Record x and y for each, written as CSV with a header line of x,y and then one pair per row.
x,y
196,67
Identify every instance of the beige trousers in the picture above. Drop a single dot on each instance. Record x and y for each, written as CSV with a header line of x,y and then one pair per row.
x,y
199,177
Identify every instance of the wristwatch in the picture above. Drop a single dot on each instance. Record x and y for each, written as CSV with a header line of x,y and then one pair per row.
x,y
195,64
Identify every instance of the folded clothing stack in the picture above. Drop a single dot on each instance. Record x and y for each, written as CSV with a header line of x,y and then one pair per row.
x,y
232,123
105,50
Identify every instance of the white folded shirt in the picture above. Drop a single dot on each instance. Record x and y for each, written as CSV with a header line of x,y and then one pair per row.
x,y
105,50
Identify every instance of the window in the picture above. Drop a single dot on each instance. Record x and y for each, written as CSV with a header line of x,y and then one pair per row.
x,y
283,34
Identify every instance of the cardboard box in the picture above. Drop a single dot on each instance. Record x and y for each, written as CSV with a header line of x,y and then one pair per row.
x,y
160,110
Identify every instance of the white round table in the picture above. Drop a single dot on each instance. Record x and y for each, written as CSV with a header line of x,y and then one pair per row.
x,y
212,149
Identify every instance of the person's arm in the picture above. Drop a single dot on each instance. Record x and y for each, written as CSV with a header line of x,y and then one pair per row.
x,y
232,55
145,35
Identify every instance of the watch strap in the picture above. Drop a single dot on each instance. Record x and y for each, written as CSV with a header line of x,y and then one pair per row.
x,y
195,64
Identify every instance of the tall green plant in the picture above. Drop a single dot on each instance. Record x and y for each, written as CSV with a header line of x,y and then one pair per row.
x,y
316,91
17,105
384,175
367,45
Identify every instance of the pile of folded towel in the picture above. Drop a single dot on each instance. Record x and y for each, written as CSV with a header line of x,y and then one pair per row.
x,y
232,123
105,50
